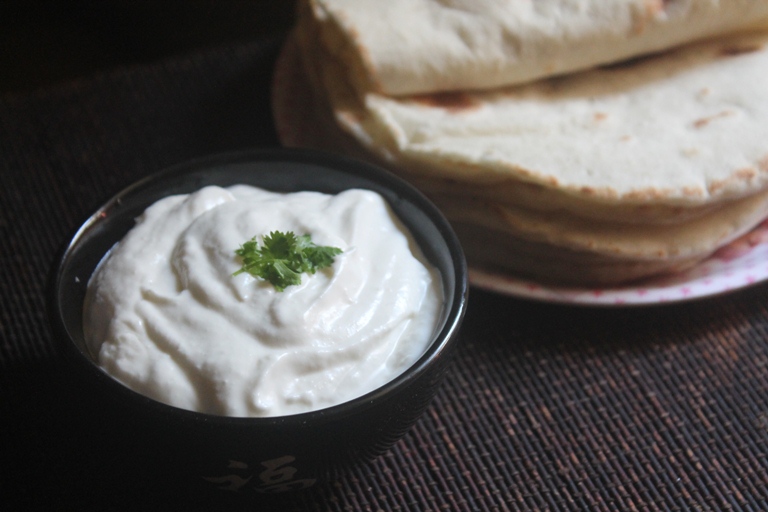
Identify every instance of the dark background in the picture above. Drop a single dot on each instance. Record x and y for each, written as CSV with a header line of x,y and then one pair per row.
x,y
45,43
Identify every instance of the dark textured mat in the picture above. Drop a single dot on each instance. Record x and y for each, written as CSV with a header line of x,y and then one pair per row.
x,y
546,407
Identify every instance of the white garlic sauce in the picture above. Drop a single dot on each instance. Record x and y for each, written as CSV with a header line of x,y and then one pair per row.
x,y
165,316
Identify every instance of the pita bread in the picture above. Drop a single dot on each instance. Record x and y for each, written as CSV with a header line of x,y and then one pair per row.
x,y
502,253
693,239
599,177
684,128
406,47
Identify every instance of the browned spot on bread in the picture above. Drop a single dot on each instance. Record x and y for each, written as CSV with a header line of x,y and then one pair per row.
x,y
692,192
590,192
648,194
744,175
731,51
600,116
715,186
747,174
704,121
762,164
451,101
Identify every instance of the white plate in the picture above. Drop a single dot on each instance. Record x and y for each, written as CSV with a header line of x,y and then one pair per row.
x,y
742,263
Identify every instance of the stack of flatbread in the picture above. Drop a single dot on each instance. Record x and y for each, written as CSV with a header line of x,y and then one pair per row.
x,y
589,142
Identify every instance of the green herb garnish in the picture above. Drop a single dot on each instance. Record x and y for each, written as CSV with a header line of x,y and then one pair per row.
x,y
284,257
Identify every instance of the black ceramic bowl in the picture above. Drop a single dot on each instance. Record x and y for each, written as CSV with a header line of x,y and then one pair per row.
x,y
263,455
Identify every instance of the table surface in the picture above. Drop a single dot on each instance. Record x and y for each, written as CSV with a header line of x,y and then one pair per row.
x,y
546,407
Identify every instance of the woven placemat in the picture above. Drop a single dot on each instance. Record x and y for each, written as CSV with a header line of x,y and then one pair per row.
x,y
546,407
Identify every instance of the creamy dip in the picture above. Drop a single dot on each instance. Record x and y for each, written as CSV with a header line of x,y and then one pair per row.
x,y
165,316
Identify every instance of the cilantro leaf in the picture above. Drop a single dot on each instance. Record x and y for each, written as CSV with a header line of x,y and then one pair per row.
x,y
283,257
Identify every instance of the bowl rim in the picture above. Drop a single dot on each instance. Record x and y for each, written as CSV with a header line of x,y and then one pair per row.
x,y
437,350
